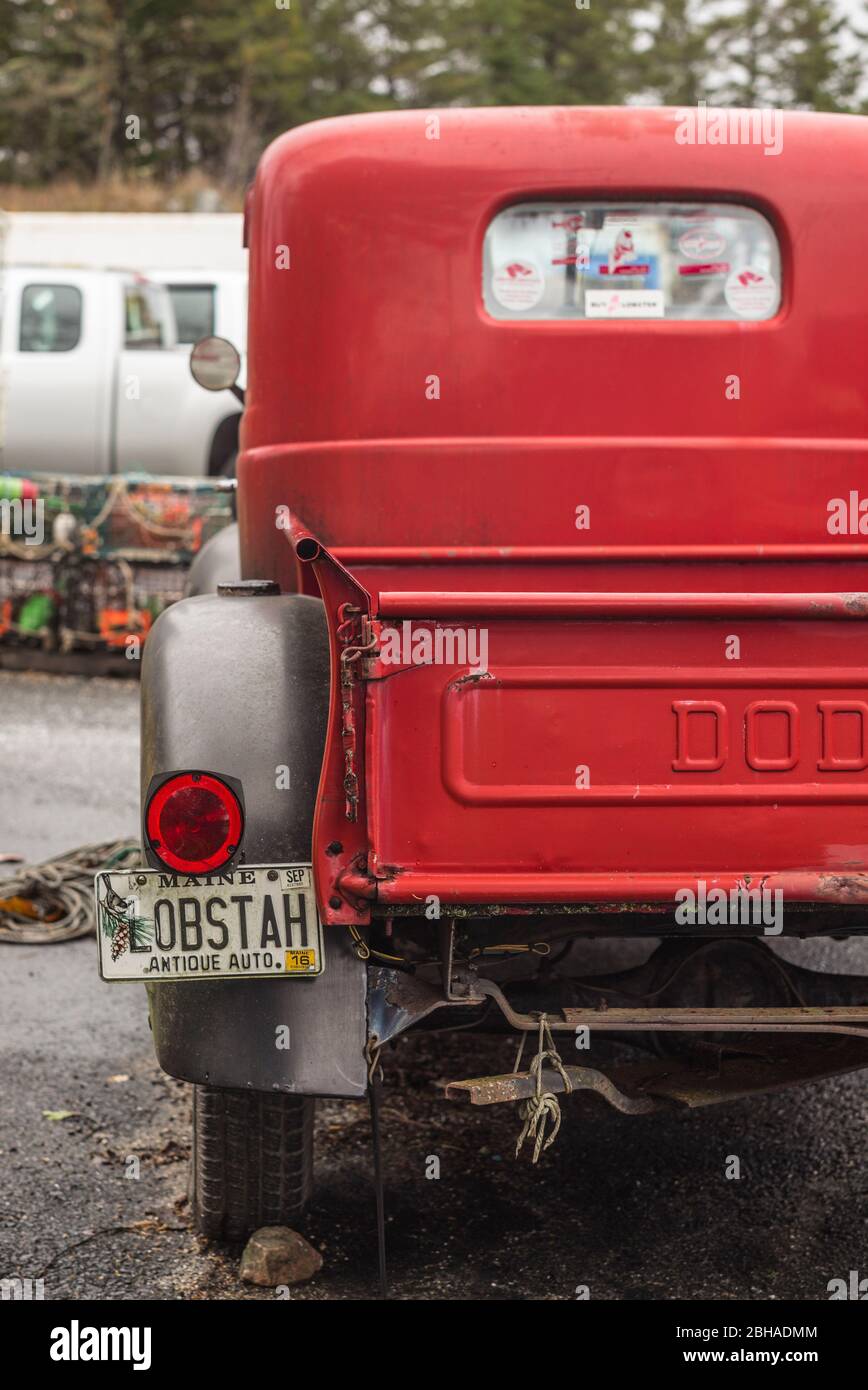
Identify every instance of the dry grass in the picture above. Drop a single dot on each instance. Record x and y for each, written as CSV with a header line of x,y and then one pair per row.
x,y
194,193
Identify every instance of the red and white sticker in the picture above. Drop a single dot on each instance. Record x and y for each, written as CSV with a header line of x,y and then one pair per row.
x,y
752,294
633,268
701,244
623,251
582,258
712,268
518,284
624,304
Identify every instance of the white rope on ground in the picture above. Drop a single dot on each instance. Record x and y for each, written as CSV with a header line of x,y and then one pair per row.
x,y
45,903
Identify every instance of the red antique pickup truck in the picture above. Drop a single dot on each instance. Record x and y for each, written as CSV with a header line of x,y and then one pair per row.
x,y
553,514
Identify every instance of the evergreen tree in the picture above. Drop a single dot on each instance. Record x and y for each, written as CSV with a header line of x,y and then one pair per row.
x,y
537,52
820,66
675,61
745,45
790,53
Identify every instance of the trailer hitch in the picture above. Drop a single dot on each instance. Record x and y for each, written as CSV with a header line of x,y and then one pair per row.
x,y
519,1085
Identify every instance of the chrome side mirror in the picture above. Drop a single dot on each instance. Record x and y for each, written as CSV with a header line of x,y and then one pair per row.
x,y
215,365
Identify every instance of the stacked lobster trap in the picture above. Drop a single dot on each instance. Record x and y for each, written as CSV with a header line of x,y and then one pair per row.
x,y
88,564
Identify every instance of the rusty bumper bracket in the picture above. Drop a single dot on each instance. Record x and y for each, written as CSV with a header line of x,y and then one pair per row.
x,y
847,1019
397,1001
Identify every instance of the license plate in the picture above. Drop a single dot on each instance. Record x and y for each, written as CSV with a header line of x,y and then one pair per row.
x,y
257,922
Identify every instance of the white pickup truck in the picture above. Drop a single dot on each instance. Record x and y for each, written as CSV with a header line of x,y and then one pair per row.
x,y
92,381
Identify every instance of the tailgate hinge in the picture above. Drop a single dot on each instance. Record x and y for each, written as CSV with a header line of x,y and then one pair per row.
x,y
340,830
358,643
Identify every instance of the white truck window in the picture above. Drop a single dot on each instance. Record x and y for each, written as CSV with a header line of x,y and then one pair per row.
x,y
619,260
143,327
50,318
194,311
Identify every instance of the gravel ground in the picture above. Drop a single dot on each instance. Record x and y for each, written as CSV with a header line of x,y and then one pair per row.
x,y
632,1208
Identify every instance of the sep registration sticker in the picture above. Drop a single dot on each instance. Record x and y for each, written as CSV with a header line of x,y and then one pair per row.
x,y
255,922
301,962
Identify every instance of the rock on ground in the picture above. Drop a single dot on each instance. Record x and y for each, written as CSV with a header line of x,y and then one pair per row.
x,y
277,1255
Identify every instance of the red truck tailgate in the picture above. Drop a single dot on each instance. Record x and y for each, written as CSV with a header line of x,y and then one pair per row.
x,y
542,747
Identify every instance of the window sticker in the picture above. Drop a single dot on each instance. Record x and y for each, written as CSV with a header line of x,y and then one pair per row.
x,y
624,304
571,241
751,293
713,268
622,256
633,219
702,244
518,284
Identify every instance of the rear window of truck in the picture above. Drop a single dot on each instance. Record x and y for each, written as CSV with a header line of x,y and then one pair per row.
x,y
595,260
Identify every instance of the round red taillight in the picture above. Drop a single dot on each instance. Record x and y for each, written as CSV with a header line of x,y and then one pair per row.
x,y
194,822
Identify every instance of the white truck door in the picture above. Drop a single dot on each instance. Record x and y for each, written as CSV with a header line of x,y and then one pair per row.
x,y
153,390
56,372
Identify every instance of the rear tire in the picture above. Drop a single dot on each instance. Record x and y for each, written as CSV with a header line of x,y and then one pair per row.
x,y
252,1161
